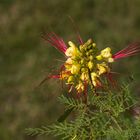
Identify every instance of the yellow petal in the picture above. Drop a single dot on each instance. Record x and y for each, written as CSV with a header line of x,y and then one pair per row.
x,y
75,69
72,51
102,68
80,87
99,57
110,60
106,53
90,65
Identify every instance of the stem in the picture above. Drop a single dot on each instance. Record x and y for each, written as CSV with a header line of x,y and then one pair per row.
x,y
74,137
115,121
85,93
91,81
90,78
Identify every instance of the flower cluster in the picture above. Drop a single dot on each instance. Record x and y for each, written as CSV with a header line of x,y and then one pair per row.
x,y
85,65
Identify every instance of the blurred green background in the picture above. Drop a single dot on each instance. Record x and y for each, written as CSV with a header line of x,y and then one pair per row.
x,y
25,59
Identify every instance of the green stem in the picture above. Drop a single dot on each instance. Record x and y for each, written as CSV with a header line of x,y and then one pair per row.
x,y
115,121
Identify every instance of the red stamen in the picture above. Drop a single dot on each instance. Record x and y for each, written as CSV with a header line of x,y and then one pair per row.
x,y
131,50
77,31
54,76
48,77
111,80
55,41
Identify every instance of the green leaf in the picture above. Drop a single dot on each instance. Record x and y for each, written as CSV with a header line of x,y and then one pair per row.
x,y
65,115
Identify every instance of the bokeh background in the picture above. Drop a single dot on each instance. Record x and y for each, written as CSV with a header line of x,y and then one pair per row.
x,y
25,59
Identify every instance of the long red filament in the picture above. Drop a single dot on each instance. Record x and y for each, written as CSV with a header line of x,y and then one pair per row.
x,y
55,41
131,50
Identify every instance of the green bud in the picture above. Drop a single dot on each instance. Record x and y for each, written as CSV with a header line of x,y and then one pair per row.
x,y
81,48
90,51
94,44
83,70
91,57
82,61
89,47
87,53
89,41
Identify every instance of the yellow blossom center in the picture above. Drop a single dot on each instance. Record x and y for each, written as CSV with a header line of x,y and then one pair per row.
x,y
85,65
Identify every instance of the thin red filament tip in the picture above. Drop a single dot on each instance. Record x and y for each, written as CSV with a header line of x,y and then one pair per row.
x,y
55,41
131,50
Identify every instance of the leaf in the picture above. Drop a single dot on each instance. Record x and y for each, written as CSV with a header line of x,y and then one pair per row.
x,y
65,115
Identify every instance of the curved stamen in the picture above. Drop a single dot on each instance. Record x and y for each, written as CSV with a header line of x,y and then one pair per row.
x,y
55,41
131,50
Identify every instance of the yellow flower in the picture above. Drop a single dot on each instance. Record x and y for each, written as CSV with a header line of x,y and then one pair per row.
x,y
85,64
84,76
64,74
80,87
94,78
94,75
70,80
68,63
94,44
99,57
110,60
102,68
106,53
75,68
88,43
72,51
90,65
82,61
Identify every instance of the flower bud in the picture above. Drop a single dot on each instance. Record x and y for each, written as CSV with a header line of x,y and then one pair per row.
x,y
75,69
90,65
70,79
83,70
106,53
94,78
91,57
80,87
87,53
89,47
88,43
103,68
81,47
110,60
99,57
84,76
72,51
94,75
94,44
71,44
91,51
82,61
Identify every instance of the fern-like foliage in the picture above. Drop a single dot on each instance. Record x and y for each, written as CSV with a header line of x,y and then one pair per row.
x,y
71,102
106,116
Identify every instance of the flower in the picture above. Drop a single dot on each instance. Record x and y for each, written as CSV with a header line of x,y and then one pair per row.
x,y
72,51
106,55
85,64
102,68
